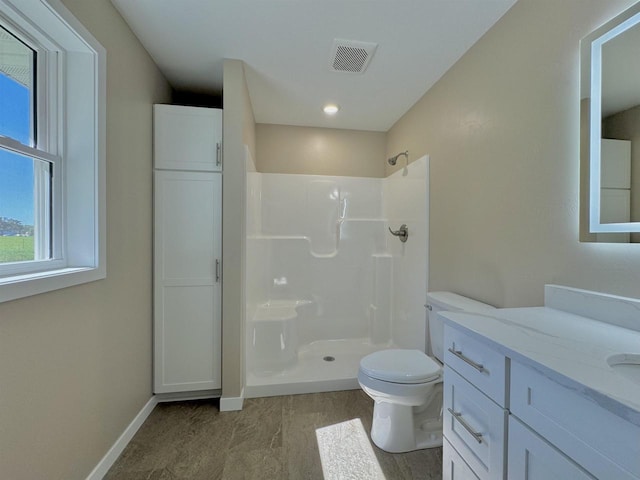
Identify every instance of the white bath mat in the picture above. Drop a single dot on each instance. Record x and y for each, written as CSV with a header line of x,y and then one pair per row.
x,y
346,453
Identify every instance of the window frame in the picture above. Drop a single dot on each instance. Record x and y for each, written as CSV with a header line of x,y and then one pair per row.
x,y
71,117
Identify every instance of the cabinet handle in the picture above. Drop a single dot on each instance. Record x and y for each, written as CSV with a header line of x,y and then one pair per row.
x,y
458,417
218,155
217,270
458,353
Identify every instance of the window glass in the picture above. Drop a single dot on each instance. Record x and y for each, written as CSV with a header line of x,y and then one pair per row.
x,y
25,205
16,89
25,183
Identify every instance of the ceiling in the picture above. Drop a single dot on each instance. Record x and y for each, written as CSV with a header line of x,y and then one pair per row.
x,y
286,45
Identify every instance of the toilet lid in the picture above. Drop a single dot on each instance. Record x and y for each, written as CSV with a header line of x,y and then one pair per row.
x,y
400,366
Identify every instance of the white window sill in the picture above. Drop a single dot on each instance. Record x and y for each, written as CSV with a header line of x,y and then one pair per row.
x,y
25,285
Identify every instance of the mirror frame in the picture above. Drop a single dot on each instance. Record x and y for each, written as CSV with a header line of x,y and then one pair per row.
x,y
591,47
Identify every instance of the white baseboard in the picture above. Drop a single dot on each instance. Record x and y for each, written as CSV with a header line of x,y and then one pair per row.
x,y
227,404
230,404
114,452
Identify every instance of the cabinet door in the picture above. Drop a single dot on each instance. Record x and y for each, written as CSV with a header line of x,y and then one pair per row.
x,y
187,285
187,138
531,458
615,207
602,442
615,163
453,466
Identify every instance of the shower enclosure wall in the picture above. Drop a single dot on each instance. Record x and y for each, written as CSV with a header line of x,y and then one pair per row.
x,y
326,281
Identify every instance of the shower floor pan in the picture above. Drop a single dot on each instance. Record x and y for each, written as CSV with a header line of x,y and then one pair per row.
x,y
322,366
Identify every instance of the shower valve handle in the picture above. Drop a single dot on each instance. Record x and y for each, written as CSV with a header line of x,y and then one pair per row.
x,y
402,233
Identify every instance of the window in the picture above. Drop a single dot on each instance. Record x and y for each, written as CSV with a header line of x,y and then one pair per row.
x,y
52,102
26,189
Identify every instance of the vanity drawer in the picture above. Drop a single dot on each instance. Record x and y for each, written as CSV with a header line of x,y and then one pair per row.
x,y
453,465
601,442
475,426
477,362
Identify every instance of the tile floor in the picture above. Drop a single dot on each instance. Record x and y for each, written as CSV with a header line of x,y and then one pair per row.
x,y
271,438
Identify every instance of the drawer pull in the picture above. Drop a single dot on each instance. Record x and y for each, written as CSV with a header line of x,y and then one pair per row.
x,y
458,417
475,365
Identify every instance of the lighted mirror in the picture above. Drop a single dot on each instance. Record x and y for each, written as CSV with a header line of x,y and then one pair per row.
x,y
610,143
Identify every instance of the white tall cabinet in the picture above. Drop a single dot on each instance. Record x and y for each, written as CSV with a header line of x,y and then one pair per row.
x,y
615,187
187,249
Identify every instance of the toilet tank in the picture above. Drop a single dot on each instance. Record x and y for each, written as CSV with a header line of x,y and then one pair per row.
x,y
447,302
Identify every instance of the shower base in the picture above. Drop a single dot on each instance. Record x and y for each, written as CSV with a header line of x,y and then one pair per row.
x,y
322,366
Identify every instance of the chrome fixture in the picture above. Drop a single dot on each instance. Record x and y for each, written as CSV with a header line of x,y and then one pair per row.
x,y
402,232
458,353
458,417
392,161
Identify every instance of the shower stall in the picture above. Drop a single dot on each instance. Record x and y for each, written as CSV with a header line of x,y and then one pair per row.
x,y
327,283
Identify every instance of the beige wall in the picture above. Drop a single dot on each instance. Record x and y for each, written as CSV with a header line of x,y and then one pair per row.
x,y
502,129
320,151
239,130
75,364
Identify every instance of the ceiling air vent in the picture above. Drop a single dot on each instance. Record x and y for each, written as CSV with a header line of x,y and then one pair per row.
x,y
351,56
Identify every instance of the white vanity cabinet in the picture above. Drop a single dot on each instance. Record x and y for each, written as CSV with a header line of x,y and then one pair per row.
x,y
474,413
555,429
187,251
453,466
600,442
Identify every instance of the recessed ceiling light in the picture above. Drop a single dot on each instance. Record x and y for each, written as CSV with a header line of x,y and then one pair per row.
x,y
331,109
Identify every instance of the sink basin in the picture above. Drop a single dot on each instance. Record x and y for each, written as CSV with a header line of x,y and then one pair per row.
x,y
627,365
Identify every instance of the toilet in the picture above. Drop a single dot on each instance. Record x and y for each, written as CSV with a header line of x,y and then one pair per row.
x,y
406,385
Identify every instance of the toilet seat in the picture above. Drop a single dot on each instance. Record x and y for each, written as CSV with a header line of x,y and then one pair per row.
x,y
400,366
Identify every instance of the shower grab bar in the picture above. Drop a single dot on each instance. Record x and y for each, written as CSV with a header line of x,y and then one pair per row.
x,y
402,233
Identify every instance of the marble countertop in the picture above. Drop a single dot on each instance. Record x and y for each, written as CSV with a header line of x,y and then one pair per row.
x,y
570,349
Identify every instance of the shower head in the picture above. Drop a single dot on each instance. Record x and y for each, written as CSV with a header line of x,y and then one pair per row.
x,y
392,161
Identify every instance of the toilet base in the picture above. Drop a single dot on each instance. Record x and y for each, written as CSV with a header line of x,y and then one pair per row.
x,y
401,428
429,434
